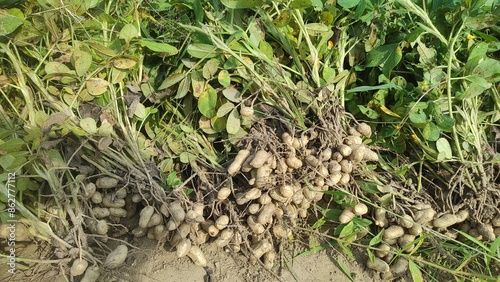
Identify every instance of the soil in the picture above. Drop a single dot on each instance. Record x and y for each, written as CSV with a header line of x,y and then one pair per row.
x,y
150,263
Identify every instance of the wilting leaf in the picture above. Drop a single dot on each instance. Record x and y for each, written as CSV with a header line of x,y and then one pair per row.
x,y
210,68
89,125
197,83
388,111
283,19
186,157
82,62
56,67
96,86
124,62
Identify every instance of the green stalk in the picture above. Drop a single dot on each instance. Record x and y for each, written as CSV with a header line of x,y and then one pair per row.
x,y
27,113
314,52
428,26
456,140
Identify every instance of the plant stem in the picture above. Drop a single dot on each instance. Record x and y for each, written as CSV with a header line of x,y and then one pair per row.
x,y
456,140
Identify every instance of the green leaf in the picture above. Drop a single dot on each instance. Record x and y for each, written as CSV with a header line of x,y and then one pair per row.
x,y
416,275
233,122
171,178
488,69
317,4
387,56
347,4
225,109
376,239
9,21
344,269
183,88
265,48
224,78
128,32
418,117
207,102
82,61
140,111
444,149
314,29
476,88
218,123
300,4
242,4
417,114
431,132
158,47
186,128
24,183
444,122
6,161
377,87
105,129
369,187
232,94
368,112
12,145
55,158
171,80
427,55
186,157
202,51
328,74
347,230
232,63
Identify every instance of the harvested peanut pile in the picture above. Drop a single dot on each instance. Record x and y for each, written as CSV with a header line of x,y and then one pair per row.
x,y
262,199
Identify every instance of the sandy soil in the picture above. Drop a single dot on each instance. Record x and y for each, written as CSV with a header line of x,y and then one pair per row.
x,y
162,265
150,263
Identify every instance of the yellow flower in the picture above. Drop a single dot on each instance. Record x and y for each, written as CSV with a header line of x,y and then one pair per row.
x,y
471,37
330,45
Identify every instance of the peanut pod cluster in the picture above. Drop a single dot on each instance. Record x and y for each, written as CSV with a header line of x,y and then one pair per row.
x,y
278,188
400,233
